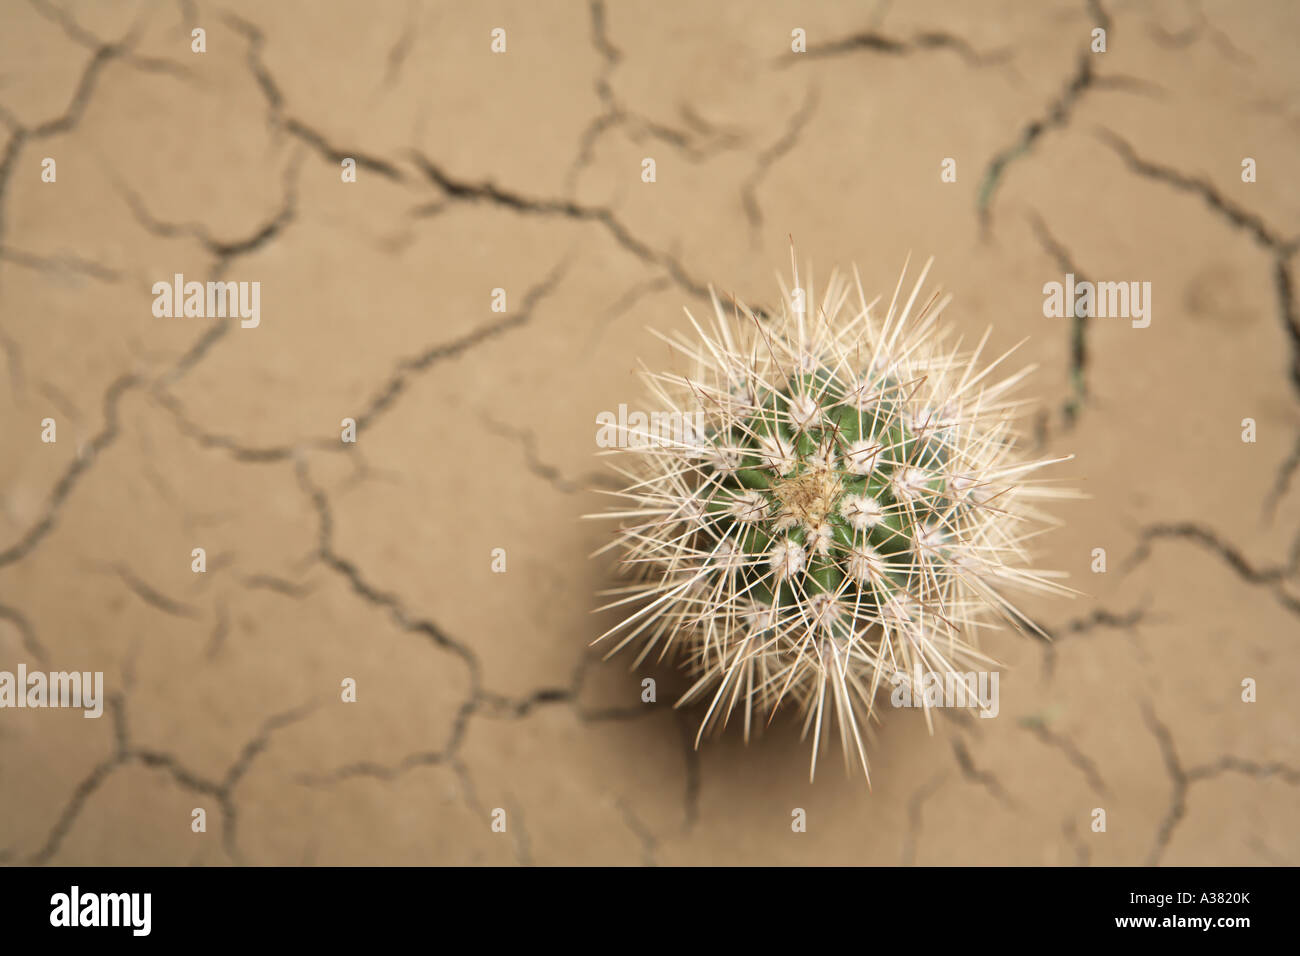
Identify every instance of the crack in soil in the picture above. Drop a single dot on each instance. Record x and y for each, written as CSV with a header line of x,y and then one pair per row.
x,y
125,754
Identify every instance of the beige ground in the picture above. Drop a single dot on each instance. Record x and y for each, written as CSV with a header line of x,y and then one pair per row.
x,y
522,171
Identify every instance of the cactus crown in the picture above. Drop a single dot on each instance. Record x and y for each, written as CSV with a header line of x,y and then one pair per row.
x,y
831,487
847,515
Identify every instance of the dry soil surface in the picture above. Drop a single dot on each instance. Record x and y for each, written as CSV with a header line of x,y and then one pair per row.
x,y
522,171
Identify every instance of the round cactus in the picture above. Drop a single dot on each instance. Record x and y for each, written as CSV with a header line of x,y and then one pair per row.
x,y
839,509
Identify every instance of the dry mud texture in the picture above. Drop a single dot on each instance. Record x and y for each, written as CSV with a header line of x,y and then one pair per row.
x,y
522,171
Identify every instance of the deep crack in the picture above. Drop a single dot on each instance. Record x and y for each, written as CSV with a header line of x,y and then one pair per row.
x,y
1273,577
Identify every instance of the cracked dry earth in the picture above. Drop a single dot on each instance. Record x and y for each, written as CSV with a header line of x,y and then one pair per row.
x,y
521,171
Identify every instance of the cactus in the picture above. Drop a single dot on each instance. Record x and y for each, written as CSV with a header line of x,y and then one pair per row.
x,y
850,512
